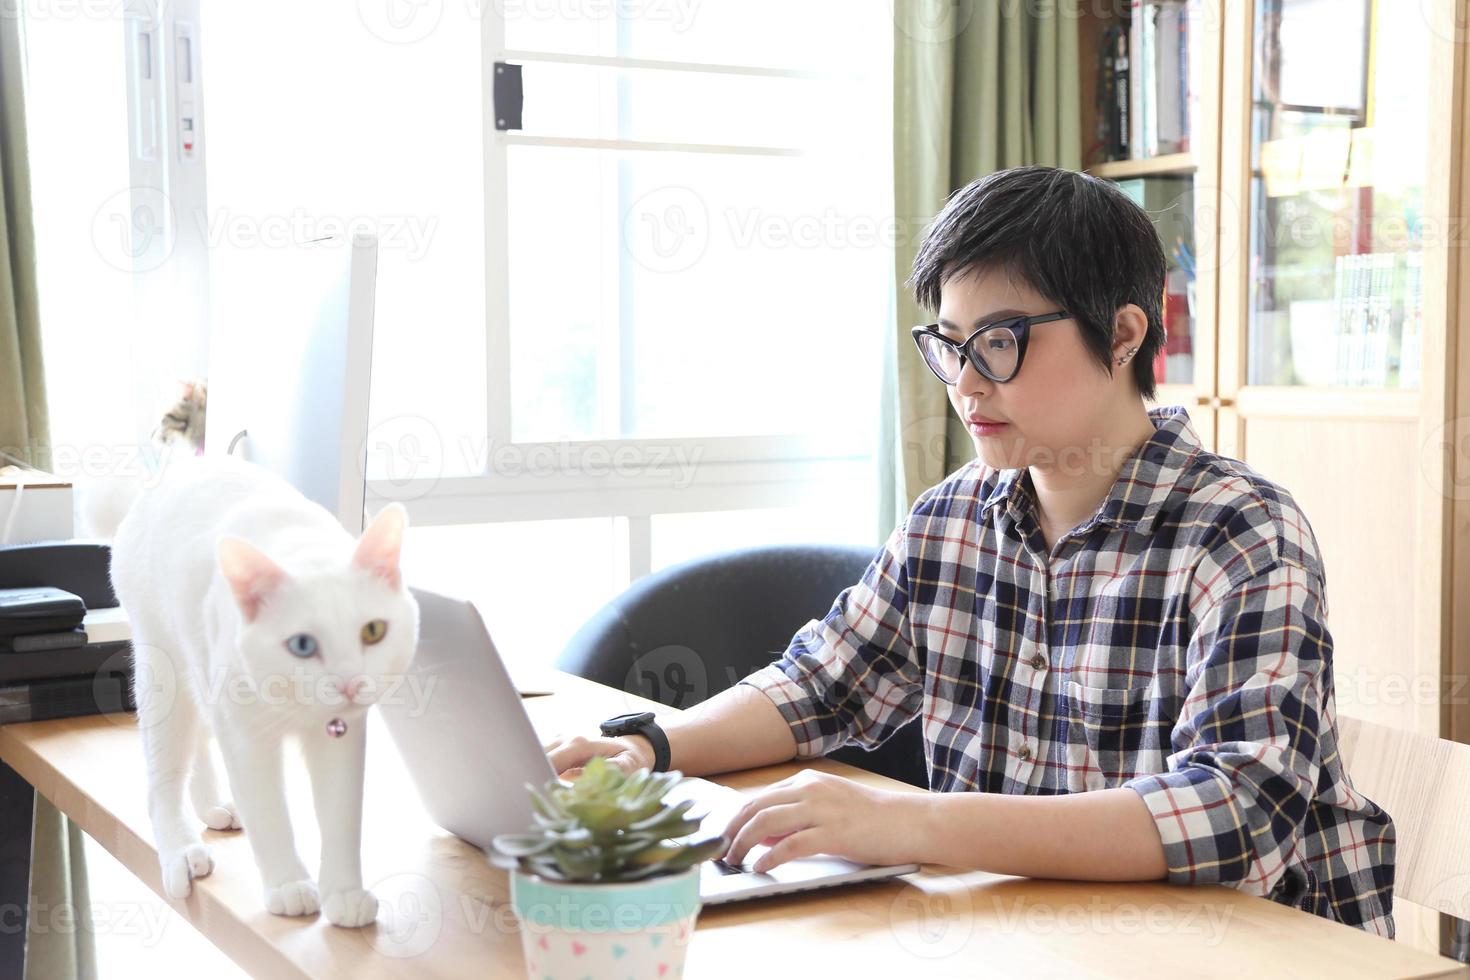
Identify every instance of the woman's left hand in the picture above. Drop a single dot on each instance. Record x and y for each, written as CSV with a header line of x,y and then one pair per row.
x,y
815,812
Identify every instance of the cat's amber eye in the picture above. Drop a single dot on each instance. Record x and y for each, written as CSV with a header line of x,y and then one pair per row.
x,y
374,631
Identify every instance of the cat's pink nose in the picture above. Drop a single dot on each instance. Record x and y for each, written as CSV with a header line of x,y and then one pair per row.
x,y
350,689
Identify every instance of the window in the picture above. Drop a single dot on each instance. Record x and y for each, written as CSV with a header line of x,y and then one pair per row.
x,y
76,113
334,129
121,268
652,311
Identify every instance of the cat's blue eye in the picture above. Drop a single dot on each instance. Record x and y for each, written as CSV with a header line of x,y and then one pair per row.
x,y
301,644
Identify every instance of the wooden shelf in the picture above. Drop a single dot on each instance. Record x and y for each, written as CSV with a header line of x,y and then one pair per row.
x,y
1166,165
1332,402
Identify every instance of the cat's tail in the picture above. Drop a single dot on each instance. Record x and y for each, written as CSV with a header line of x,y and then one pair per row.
x,y
103,502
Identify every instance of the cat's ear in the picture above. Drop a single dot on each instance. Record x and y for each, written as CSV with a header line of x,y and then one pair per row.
x,y
380,545
251,574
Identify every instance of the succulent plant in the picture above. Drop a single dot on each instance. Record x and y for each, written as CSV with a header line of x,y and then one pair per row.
x,y
607,826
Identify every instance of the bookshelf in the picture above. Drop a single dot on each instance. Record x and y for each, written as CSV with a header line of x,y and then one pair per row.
x,y
1179,189
1327,159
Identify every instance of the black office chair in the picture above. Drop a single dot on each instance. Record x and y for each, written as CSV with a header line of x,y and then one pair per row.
x,y
683,634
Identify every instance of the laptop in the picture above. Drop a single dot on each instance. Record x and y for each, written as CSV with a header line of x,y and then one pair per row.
x,y
470,749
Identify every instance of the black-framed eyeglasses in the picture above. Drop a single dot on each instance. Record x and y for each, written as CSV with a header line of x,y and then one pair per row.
x,y
996,350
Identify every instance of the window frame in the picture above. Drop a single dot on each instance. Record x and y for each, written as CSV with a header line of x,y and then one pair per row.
x,y
734,472
729,472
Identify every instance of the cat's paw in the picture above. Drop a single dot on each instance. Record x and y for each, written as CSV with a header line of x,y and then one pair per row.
x,y
352,908
292,898
221,816
180,866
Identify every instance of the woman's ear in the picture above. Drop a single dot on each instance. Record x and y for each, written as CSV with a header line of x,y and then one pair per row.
x,y
380,545
1130,329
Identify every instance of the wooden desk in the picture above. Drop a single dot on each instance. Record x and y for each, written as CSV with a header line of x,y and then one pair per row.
x,y
444,910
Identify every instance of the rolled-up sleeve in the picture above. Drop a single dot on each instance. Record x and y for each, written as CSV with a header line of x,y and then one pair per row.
x,y
1245,753
851,677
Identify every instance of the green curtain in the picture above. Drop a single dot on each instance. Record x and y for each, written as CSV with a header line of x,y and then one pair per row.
x,y
24,432
978,86
58,859
59,946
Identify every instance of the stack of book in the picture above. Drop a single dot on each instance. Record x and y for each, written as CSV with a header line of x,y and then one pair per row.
x,y
1363,318
57,658
1148,80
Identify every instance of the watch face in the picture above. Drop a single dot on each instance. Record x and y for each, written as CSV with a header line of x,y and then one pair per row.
x,y
627,721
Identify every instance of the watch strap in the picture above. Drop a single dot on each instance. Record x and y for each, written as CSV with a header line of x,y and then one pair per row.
x,y
642,723
660,742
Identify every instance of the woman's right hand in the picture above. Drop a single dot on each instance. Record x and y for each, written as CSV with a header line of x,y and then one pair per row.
x,y
570,753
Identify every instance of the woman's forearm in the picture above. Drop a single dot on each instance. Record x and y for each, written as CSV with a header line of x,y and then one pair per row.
x,y
1104,835
739,728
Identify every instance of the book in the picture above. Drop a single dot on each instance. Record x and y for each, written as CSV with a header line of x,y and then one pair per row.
x,y
1362,304
39,642
1148,90
1112,93
66,697
1148,108
1136,58
1191,17
1124,115
70,662
1168,79
1379,319
1410,341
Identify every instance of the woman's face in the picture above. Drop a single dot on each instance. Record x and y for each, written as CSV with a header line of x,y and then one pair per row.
x,y
1056,407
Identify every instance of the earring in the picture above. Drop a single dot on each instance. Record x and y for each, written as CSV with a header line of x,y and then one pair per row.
x,y
1127,355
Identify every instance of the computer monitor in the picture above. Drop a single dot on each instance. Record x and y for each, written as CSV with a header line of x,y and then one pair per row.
x,y
290,361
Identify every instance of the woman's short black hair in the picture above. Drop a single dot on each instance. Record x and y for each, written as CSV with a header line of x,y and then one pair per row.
x,y
1077,240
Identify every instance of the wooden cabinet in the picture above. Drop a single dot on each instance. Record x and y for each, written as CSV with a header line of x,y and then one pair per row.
x,y
1333,375
1330,194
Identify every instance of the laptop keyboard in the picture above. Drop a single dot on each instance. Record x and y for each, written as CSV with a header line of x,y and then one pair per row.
x,y
718,805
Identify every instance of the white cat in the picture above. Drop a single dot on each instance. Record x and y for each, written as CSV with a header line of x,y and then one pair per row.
x,y
256,617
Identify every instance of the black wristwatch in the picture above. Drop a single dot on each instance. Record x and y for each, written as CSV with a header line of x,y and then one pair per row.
x,y
641,723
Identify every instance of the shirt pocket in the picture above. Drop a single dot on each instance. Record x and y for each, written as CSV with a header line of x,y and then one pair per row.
x,y
1111,735
1114,645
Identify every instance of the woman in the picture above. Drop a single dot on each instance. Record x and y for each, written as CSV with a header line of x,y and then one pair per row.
x,y
1115,639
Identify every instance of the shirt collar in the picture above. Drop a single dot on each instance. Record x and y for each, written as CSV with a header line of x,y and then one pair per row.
x,y
1144,483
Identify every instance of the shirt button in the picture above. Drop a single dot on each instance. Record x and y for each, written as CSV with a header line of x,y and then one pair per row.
x,y
1024,752
1038,662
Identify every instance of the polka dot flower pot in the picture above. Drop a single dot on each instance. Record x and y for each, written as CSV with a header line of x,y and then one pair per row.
x,y
606,931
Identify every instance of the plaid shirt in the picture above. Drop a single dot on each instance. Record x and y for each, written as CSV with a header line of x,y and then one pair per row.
x,y
1175,643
